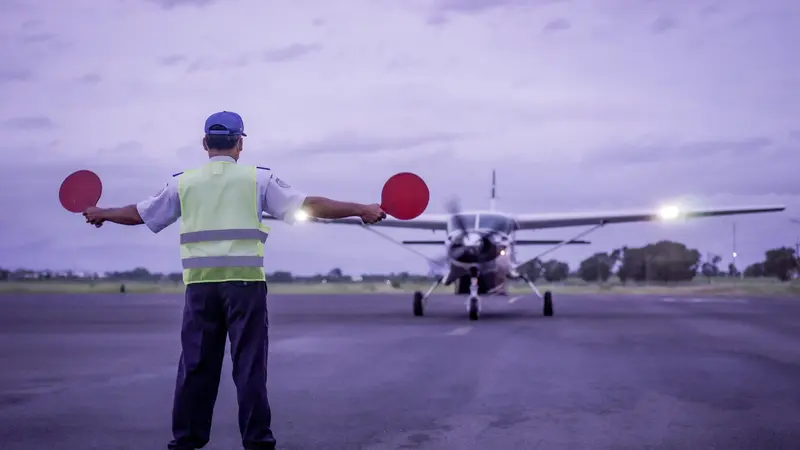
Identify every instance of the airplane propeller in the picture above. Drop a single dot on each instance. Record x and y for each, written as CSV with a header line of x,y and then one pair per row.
x,y
485,251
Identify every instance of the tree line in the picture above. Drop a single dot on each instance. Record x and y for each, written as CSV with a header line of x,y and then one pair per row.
x,y
143,275
663,261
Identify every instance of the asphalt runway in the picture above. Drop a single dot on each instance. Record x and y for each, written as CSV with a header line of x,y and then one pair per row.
x,y
360,372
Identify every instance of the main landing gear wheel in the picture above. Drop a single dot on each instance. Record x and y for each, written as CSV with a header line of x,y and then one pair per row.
x,y
419,307
547,309
473,308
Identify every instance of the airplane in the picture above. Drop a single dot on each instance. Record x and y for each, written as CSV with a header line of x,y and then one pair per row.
x,y
480,246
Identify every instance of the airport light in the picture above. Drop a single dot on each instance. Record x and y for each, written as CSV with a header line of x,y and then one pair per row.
x,y
300,215
669,212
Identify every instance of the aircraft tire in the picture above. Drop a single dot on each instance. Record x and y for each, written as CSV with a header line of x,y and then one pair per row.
x,y
547,307
473,309
419,308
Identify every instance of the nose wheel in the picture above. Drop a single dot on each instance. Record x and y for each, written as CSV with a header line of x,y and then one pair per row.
x,y
474,300
474,307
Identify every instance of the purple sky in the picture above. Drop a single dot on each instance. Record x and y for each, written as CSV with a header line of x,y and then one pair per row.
x,y
579,105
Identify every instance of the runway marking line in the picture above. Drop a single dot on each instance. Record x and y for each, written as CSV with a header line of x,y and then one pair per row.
x,y
704,300
460,331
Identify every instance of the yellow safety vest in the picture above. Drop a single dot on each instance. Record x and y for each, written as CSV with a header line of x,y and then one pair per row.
x,y
222,237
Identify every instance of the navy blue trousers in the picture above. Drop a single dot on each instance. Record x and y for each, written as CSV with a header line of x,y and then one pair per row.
x,y
212,312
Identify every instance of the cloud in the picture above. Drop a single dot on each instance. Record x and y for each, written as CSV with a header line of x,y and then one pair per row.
x,y
750,166
443,9
282,54
171,4
658,152
710,10
38,38
663,24
172,60
471,6
556,25
29,123
89,78
478,6
290,52
8,75
349,142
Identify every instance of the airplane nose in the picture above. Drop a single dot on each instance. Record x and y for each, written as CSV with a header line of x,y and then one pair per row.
x,y
472,240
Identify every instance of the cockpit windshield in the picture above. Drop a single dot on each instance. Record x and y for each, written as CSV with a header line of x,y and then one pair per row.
x,y
467,219
486,221
496,222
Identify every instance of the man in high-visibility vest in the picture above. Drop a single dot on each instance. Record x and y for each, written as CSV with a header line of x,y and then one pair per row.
x,y
222,247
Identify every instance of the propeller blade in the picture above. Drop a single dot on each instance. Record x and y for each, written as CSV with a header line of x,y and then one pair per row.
x,y
453,207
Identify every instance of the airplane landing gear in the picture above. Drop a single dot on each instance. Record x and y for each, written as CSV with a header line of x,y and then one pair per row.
x,y
547,298
419,304
474,307
547,307
473,302
421,299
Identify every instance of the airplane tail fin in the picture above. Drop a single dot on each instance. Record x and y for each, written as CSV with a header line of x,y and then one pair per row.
x,y
493,198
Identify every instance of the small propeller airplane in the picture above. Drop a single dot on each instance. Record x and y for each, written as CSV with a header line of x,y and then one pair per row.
x,y
480,246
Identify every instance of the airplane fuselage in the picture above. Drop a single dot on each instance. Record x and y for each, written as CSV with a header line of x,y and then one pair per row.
x,y
484,248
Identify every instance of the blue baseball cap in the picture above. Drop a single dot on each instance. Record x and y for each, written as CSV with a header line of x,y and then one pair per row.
x,y
231,122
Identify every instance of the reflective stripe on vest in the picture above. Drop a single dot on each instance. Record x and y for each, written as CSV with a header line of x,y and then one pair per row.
x,y
219,235
201,262
222,237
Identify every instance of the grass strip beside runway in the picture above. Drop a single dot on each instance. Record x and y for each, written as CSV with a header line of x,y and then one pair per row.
x,y
724,287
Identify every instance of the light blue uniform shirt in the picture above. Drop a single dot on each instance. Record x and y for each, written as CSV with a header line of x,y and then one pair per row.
x,y
275,198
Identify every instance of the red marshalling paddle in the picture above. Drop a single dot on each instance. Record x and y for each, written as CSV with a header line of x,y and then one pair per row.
x,y
80,190
405,196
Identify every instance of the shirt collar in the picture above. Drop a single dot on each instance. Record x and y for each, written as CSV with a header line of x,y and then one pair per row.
x,y
221,158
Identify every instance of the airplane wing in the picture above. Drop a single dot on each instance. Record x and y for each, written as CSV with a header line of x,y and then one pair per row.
x,y
423,222
538,221
516,242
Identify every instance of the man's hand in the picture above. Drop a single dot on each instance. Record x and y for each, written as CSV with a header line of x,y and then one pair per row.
x,y
372,214
94,216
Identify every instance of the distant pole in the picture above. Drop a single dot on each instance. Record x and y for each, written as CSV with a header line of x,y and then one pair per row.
x,y
493,198
797,240
796,246
734,246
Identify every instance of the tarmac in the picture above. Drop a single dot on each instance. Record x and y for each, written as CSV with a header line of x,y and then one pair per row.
x,y
361,372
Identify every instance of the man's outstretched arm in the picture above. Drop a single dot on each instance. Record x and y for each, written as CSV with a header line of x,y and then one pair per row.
x,y
282,201
325,208
157,212
126,215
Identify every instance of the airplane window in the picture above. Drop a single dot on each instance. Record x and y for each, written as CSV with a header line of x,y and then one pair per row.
x,y
468,220
495,222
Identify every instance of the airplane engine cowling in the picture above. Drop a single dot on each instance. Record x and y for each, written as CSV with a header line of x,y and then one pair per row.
x,y
474,248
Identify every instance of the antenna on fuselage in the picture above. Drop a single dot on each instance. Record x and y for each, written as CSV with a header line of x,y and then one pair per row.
x,y
493,198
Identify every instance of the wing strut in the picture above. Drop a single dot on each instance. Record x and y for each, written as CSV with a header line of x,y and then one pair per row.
x,y
391,239
560,244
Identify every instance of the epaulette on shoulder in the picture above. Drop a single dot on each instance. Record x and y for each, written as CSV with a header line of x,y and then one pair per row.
x,y
176,174
262,168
